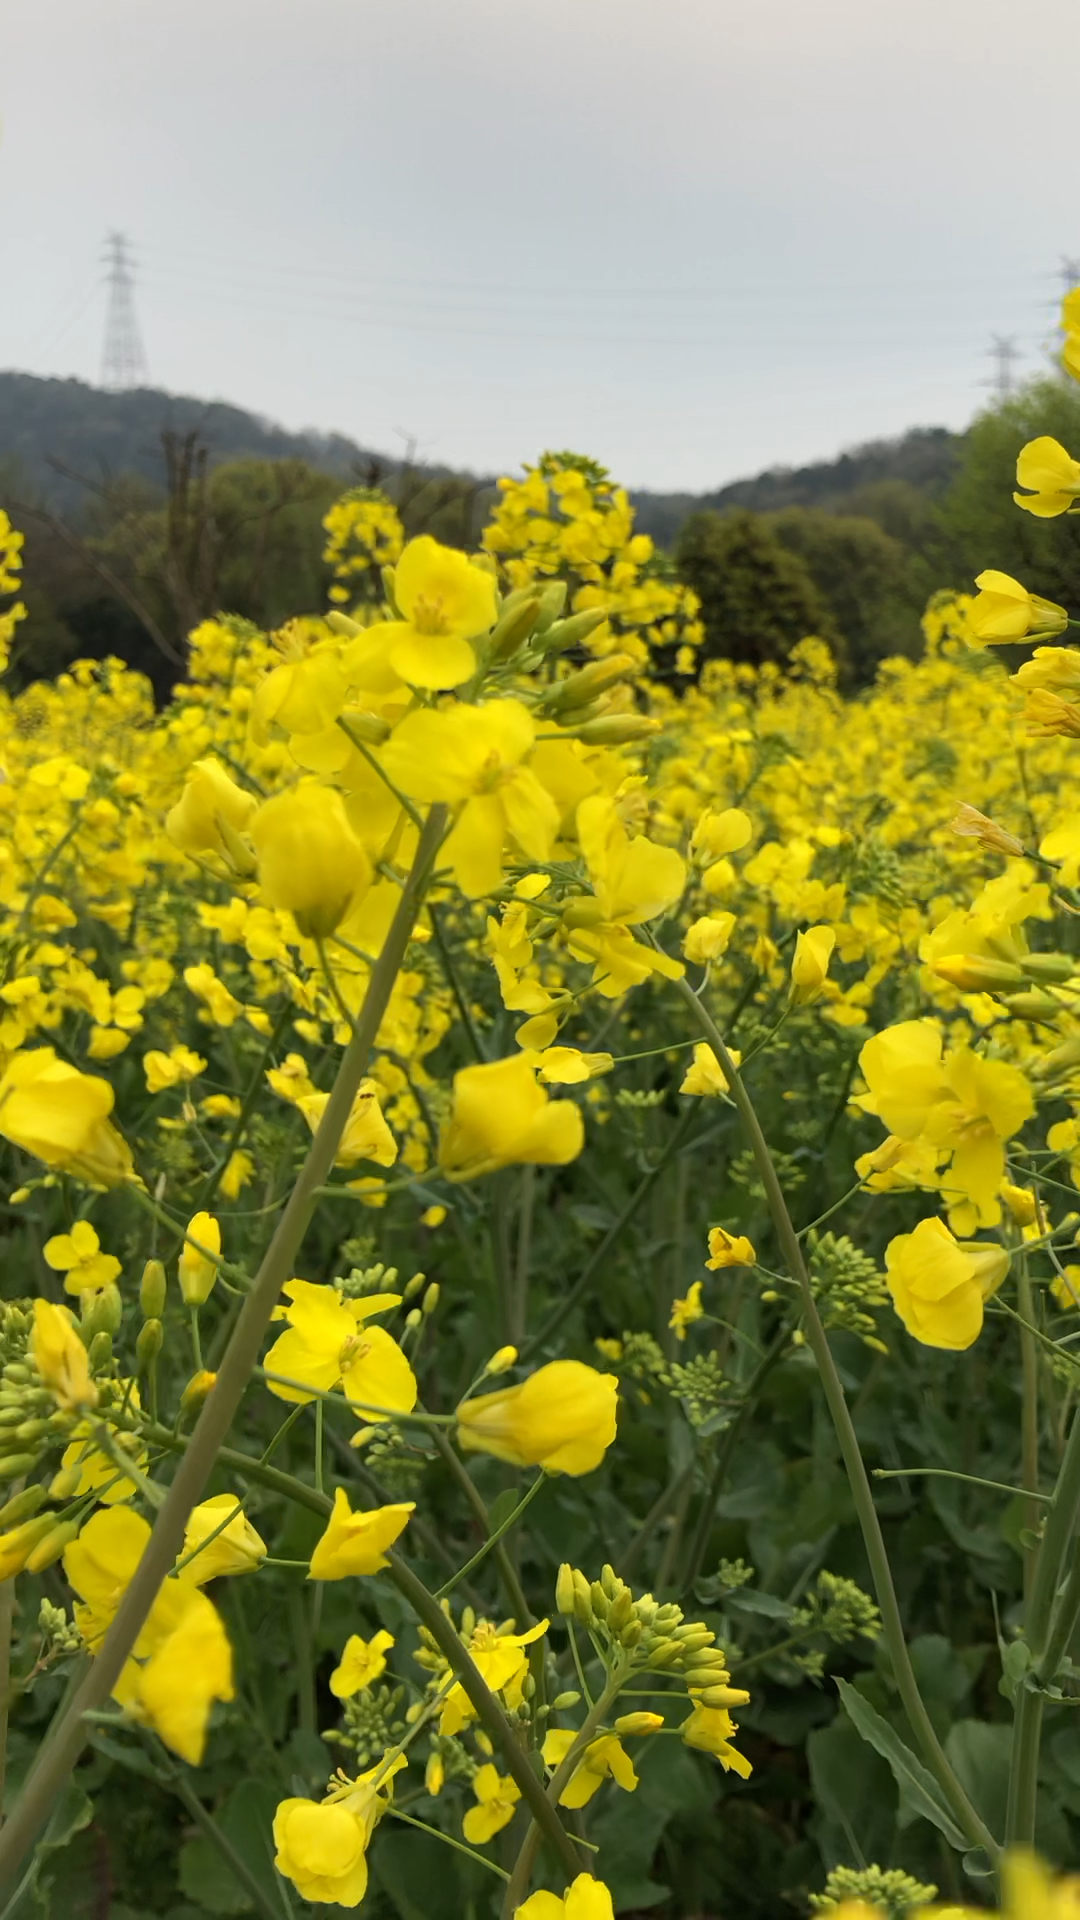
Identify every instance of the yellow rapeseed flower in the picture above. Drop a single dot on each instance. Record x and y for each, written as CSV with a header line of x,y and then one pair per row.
x,y
562,1418
1051,476
357,1543
472,758
196,1270
78,1256
587,1899
327,1342
61,1358
1003,611
61,1116
233,1548
362,1662
729,1250
497,1796
603,1759
501,1117
310,862
939,1284
446,603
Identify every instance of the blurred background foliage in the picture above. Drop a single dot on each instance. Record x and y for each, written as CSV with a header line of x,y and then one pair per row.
x,y
145,513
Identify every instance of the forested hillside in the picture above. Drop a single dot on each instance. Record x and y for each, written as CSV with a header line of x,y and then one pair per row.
x,y
145,512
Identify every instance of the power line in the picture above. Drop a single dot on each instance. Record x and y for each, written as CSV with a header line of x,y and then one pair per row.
x,y
1003,351
123,361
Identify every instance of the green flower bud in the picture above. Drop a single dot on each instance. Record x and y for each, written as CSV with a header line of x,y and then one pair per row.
x,y
30,1431
631,1633
513,627
102,1313
52,1546
100,1351
431,1298
599,1600
564,1589
23,1506
14,1465
562,634
621,1611
152,1290
563,1701
148,1345
582,1599
552,602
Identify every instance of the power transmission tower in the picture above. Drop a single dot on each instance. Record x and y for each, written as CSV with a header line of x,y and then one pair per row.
x,y
123,361
1003,351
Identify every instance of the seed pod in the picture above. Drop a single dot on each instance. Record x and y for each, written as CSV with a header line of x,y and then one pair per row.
x,y
56,1540
152,1290
22,1506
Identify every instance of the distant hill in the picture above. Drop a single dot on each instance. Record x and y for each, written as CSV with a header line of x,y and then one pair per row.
x,y
98,435
923,461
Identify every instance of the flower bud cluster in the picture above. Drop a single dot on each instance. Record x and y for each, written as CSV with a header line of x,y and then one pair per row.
x,y
30,1421
644,1635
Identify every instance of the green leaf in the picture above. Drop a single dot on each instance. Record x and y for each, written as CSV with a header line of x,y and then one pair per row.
x,y
503,1506
206,1878
918,1788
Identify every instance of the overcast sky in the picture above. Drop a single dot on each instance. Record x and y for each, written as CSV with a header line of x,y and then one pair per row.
x,y
693,238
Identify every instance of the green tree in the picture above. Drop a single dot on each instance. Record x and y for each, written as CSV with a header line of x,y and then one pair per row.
x,y
758,599
863,574
980,525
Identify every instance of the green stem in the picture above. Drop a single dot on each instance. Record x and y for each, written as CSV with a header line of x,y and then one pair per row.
x,y
967,1817
7,1608
448,1840
614,1233
218,1838
446,961
947,1473
518,1887
1056,1542
214,1177
493,1540
494,1721
723,1460
512,1586
53,1765
1029,1419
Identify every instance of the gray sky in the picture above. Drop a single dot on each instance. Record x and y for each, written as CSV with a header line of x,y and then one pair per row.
x,y
693,238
